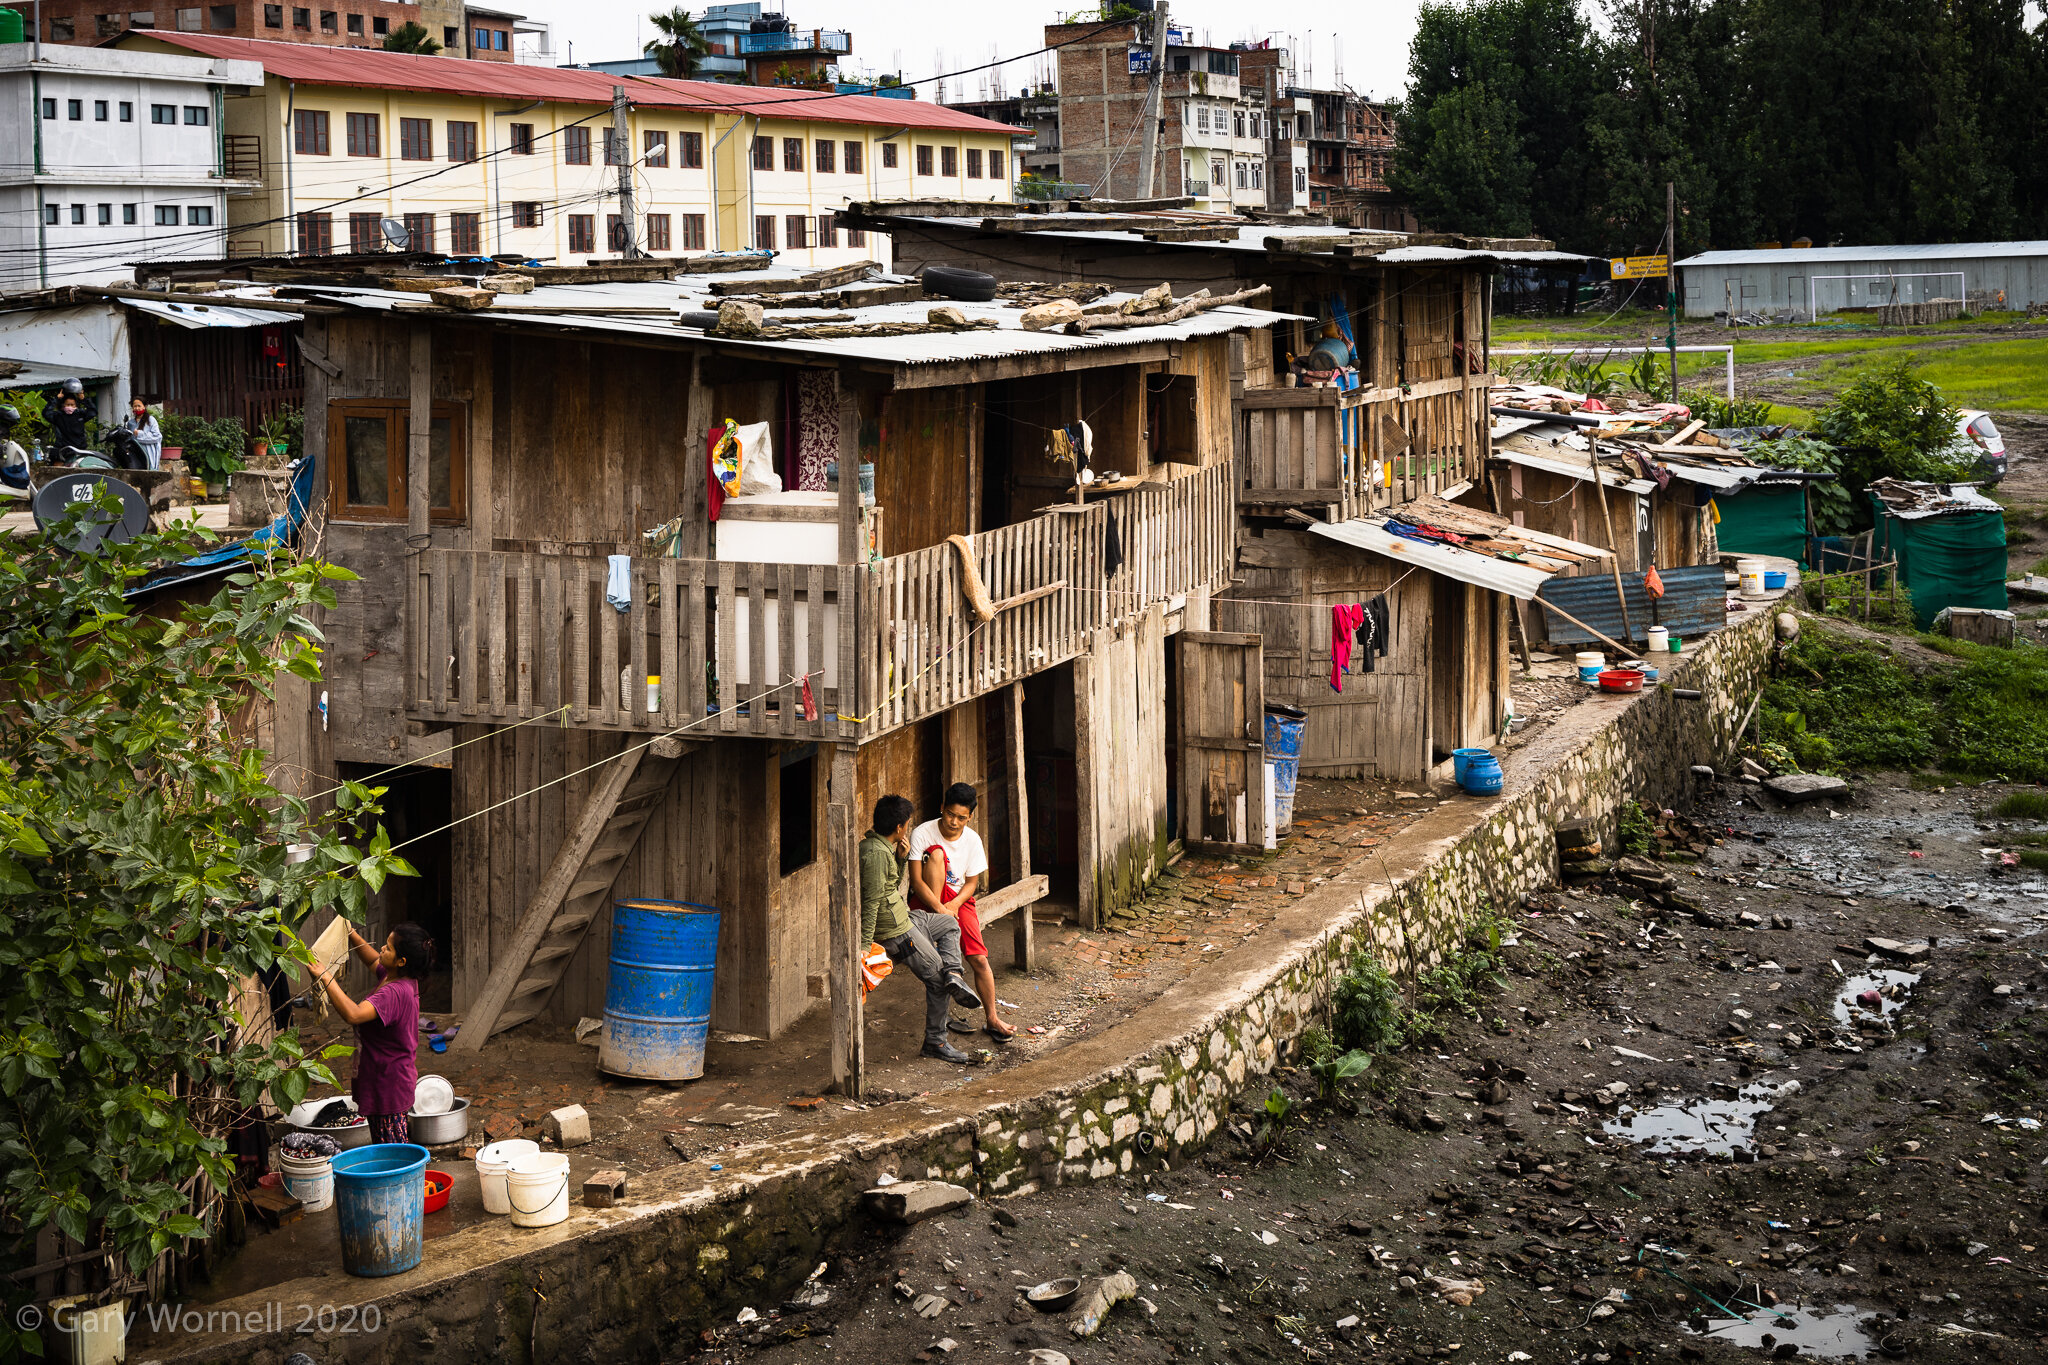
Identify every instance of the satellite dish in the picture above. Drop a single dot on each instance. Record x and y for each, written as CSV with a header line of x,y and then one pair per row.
x,y
395,233
98,527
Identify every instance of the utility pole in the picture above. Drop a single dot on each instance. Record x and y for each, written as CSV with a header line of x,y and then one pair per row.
x,y
1671,278
628,219
1155,91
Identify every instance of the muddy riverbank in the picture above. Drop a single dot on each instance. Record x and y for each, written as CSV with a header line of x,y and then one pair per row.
x,y
1706,1121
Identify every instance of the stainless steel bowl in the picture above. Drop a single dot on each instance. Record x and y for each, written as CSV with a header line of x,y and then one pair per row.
x,y
438,1130
356,1135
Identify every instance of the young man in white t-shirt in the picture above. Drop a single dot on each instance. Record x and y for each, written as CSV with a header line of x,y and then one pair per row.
x,y
948,866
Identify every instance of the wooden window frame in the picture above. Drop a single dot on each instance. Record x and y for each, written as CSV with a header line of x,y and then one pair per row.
x,y
397,413
576,146
793,154
365,137
583,228
851,158
655,147
693,232
659,234
690,155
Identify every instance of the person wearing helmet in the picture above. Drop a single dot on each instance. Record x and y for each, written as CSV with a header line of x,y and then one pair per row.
x,y
67,413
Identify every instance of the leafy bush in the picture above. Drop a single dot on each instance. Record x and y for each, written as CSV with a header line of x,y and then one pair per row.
x,y
1365,1007
1842,705
213,449
1889,422
1718,412
1336,1068
1638,831
1833,509
1453,986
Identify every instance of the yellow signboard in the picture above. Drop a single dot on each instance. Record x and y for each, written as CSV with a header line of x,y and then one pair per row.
x,y
1639,267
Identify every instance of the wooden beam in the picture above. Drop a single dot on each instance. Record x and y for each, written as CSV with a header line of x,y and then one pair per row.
x,y
1085,760
419,432
1623,650
1020,895
950,375
849,1051
575,848
1023,950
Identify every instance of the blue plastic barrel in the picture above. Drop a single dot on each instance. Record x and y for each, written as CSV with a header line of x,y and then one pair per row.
x,y
1482,775
380,1196
657,1004
1461,759
1284,725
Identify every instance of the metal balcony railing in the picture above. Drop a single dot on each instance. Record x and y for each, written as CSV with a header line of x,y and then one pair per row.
x,y
802,40
242,157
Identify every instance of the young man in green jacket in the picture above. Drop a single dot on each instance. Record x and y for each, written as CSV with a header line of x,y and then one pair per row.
x,y
926,943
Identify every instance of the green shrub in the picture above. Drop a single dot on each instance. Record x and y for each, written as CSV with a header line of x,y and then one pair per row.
x,y
2022,806
1717,411
1638,830
1365,1007
1889,422
1833,509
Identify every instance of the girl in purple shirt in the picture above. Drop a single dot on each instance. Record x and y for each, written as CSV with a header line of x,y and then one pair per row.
x,y
387,1027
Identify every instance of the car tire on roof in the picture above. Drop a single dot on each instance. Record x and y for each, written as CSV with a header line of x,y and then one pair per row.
x,y
951,282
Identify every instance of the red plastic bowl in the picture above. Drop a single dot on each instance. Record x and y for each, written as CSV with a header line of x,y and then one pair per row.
x,y
1621,680
439,1183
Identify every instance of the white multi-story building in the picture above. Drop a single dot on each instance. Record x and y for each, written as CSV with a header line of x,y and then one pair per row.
x,y
119,157
1223,137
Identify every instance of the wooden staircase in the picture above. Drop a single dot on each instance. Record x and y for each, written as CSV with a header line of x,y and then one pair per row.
x,y
572,892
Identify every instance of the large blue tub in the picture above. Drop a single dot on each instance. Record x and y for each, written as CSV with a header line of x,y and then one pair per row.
x,y
657,1003
380,1196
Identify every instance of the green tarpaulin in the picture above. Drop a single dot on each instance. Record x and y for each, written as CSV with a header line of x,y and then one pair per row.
x,y
1766,519
1945,561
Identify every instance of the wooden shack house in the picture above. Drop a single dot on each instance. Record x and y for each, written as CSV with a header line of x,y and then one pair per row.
x,y
1320,470
712,720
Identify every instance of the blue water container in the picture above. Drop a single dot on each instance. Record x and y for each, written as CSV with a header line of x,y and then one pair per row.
x,y
1462,759
1482,776
657,1004
1284,726
380,1196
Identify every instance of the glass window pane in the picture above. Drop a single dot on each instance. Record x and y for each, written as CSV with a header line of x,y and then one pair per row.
x,y
440,492
369,461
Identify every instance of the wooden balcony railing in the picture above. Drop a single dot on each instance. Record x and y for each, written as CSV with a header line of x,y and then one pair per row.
x,y
1360,450
500,637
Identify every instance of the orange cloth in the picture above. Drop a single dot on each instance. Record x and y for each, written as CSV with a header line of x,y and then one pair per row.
x,y
1652,584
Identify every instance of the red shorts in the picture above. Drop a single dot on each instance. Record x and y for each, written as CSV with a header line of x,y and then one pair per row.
x,y
970,929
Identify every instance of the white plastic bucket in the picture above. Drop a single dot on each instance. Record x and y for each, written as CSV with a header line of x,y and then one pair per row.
x,y
538,1188
1590,663
494,1163
310,1180
1660,640
1749,573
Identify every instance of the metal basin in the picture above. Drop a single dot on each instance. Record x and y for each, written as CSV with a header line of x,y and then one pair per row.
x,y
438,1130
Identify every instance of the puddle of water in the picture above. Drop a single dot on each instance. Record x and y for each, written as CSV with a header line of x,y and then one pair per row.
x,y
1820,1333
1881,980
1716,1127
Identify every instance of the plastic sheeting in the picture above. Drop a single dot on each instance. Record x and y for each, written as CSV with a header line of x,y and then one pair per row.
x,y
1957,560
1766,519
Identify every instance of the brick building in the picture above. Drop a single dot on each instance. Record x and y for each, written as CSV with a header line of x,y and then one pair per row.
x,y
1212,145
1350,151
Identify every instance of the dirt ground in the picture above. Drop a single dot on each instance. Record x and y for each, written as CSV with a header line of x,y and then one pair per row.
x,y
1671,1109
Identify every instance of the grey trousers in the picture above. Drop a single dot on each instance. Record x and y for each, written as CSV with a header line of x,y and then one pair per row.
x,y
932,952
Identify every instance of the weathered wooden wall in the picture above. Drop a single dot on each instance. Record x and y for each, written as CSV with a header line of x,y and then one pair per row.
x,y
928,469
1444,677
715,840
1120,747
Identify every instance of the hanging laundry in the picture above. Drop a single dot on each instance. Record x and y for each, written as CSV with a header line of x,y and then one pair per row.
x,y
1652,584
618,582
810,701
1112,547
1344,619
817,428
1374,634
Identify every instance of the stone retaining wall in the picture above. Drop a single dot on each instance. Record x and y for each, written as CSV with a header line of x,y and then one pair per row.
x,y
638,1280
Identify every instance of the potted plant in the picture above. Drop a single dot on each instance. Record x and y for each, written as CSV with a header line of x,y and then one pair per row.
x,y
179,431
216,451
271,436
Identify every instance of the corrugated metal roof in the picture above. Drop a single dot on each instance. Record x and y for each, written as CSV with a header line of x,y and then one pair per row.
x,y
197,315
1008,338
1836,255
1252,237
1467,566
36,374
375,69
1916,501
1522,450
1695,601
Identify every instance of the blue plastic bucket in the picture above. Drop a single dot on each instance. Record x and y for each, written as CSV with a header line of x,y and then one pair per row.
x,y
380,1196
1462,759
1284,726
1482,776
657,1003
1774,580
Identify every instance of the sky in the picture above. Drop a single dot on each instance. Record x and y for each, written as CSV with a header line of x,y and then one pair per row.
x,y
1367,46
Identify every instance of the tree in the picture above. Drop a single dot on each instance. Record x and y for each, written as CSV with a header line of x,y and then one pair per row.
x,y
144,873
1466,172
411,37
680,49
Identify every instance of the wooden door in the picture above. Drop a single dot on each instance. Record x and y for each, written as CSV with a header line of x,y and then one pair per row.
x,y
1222,739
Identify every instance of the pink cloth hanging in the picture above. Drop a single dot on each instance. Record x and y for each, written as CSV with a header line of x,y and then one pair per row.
x,y
817,429
1344,623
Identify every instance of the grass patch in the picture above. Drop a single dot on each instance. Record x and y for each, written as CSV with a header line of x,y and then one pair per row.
x,y
2033,857
2022,806
1844,705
